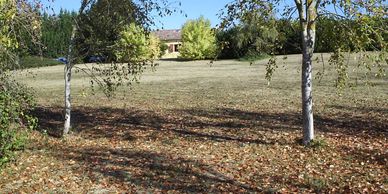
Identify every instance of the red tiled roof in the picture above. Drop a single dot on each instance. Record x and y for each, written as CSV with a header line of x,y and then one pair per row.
x,y
168,34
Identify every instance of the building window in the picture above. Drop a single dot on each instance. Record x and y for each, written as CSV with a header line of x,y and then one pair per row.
x,y
176,47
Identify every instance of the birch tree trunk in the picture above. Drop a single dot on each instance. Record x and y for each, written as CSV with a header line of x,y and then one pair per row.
x,y
307,86
68,68
307,15
67,99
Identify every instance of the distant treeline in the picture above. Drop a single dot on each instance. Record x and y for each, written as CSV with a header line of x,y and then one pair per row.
x,y
56,33
246,40
283,37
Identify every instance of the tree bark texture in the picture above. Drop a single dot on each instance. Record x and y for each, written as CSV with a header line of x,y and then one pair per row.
x,y
68,68
307,87
307,15
67,99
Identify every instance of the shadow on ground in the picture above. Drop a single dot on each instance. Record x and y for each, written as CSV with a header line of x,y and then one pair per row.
x,y
365,155
364,110
225,124
137,169
146,169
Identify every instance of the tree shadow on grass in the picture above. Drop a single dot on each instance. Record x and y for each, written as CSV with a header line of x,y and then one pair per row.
x,y
223,124
97,122
237,119
119,123
145,169
339,123
365,110
221,138
151,170
374,156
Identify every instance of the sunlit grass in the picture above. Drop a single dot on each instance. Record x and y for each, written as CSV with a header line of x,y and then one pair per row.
x,y
201,126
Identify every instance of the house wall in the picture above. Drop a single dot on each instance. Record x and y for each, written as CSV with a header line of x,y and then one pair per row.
x,y
170,52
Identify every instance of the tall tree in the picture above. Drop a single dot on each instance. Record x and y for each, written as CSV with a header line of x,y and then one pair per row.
x,y
359,13
253,36
56,32
289,38
99,26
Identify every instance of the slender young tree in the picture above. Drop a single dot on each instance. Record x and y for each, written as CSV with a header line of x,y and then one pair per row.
x,y
359,18
89,38
307,18
68,68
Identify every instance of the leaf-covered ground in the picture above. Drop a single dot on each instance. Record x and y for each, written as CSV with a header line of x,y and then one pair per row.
x,y
189,127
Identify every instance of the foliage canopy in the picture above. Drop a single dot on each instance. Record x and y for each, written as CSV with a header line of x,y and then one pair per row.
x,y
198,40
135,45
56,33
16,17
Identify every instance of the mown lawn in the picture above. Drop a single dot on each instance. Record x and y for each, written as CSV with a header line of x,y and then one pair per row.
x,y
196,127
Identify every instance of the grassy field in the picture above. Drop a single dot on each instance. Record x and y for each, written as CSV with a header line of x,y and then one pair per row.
x,y
196,127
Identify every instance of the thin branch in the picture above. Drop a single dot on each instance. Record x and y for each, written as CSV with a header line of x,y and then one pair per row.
x,y
89,74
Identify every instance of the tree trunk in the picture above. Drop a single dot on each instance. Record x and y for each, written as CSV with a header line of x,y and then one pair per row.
x,y
67,99
307,17
307,84
68,68
307,98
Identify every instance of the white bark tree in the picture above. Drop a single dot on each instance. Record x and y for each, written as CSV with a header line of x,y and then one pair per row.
x,y
307,19
113,76
69,64
68,68
359,12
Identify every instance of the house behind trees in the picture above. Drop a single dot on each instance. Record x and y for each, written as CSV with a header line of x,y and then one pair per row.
x,y
173,40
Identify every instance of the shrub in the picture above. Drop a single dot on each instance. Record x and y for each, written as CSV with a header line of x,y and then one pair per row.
x,y
163,47
198,40
154,47
134,45
230,49
249,40
15,120
15,100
